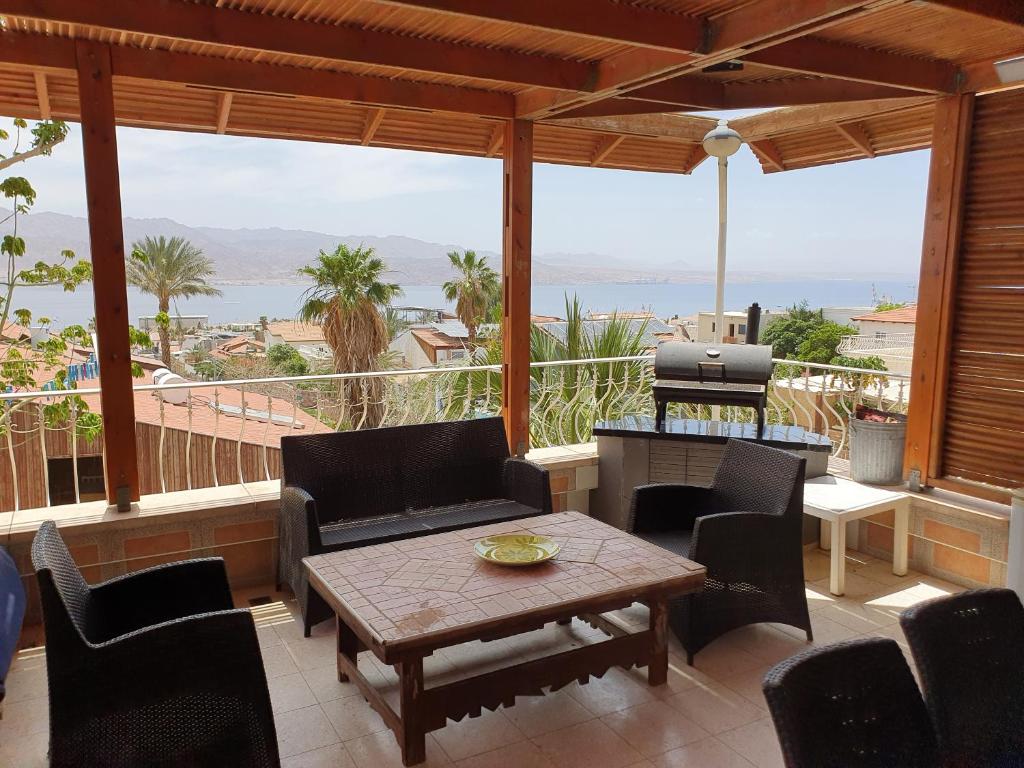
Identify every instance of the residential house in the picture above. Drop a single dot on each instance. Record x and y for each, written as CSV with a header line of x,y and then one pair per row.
x,y
185,322
428,344
307,338
735,325
888,335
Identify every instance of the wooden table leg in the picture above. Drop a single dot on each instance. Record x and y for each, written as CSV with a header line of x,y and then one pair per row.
x,y
657,669
348,646
414,737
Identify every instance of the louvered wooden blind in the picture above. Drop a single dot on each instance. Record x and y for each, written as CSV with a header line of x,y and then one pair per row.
x,y
983,439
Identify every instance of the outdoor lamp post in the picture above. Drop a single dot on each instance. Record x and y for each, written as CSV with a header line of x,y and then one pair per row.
x,y
721,142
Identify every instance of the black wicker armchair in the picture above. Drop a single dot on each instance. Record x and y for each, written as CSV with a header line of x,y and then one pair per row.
x,y
154,668
350,489
850,705
969,652
746,529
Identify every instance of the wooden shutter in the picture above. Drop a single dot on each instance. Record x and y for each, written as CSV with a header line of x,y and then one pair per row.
x,y
983,435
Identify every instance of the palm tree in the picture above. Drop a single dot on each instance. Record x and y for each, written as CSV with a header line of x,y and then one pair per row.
x,y
346,299
475,290
169,269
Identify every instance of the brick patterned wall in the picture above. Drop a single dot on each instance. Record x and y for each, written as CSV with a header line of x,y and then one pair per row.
x,y
947,540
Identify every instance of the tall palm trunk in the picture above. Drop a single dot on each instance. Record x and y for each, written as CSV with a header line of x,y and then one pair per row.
x,y
164,331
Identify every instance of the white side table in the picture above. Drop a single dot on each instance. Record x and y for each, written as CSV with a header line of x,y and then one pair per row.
x,y
836,501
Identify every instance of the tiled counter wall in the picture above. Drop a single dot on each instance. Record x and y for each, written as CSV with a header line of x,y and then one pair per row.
x,y
965,545
238,523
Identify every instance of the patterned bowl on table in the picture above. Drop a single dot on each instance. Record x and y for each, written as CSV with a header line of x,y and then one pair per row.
x,y
516,549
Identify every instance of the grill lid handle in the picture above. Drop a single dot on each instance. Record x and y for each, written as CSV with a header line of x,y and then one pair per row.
x,y
710,370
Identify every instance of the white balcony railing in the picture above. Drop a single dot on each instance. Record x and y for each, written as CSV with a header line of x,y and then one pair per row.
x,y
203,434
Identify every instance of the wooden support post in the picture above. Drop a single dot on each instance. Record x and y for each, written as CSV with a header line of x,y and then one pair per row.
x,y
106,238
944,214
516,257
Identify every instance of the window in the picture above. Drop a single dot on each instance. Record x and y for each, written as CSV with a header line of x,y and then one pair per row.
x,y
743,329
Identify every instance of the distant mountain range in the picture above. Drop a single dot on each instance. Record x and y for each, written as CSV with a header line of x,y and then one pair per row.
x,y
274,255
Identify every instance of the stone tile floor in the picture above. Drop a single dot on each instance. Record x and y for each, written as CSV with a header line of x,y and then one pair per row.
x,y
710,715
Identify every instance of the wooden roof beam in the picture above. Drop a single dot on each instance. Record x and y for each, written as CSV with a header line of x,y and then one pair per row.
x,y
596,19
620,108
605,148
208,24
688,128
224,111
766,150
697,156
43,95
787,93
856,135
802,118
1007,11
497,139
250,77
373,121
826,58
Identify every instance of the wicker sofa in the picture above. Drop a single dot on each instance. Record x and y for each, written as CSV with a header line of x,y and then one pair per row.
x,y
351,489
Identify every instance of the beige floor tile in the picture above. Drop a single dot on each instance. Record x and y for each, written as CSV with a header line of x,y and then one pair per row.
x,y
291,631
28,751
706,753
323,681
24,718
654,728
880,571
857,616
277,662
771,645
725,657
524,754
25,681
352,717
313,652
587,745
290,692
615,691
715,708
267,636
757,742
302,730
748,685
476,735
479,657
855,586
816,564
826,631
380,750
534,715
334,756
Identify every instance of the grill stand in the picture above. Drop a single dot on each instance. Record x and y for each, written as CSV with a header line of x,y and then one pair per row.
x,y
703,393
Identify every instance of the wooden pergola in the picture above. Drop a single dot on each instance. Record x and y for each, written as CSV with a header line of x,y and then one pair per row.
x,y
585,82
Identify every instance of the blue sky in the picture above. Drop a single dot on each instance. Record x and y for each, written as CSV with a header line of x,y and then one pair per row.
x,y
860,218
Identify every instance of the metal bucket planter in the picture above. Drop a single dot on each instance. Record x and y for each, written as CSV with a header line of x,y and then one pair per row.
x,y
876,451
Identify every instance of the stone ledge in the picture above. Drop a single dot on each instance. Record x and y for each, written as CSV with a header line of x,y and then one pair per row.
x,y
223,501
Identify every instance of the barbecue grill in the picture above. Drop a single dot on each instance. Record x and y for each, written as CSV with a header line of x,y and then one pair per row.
x,y
712,374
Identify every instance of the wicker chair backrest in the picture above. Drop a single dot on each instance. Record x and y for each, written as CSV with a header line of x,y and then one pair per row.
x,y
382,471
757,478
969,650
65,595
850,705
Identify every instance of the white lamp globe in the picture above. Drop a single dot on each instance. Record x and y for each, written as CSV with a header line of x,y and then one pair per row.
x,y
722,141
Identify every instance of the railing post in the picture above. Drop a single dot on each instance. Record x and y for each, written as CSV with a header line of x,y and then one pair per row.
x,y
947,183
106,238
516,257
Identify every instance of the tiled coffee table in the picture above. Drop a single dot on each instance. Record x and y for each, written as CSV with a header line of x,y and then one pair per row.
x,y
406,599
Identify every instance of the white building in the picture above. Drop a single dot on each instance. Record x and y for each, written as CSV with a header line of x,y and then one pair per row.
x,y
185,322
888,335
735,331
429,344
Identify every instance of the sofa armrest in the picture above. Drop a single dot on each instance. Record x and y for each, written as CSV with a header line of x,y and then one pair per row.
x,y
160,594
668,507
527,483
299,528
736,546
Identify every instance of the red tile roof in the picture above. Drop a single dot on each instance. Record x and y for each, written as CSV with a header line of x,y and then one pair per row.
x,y
907,314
